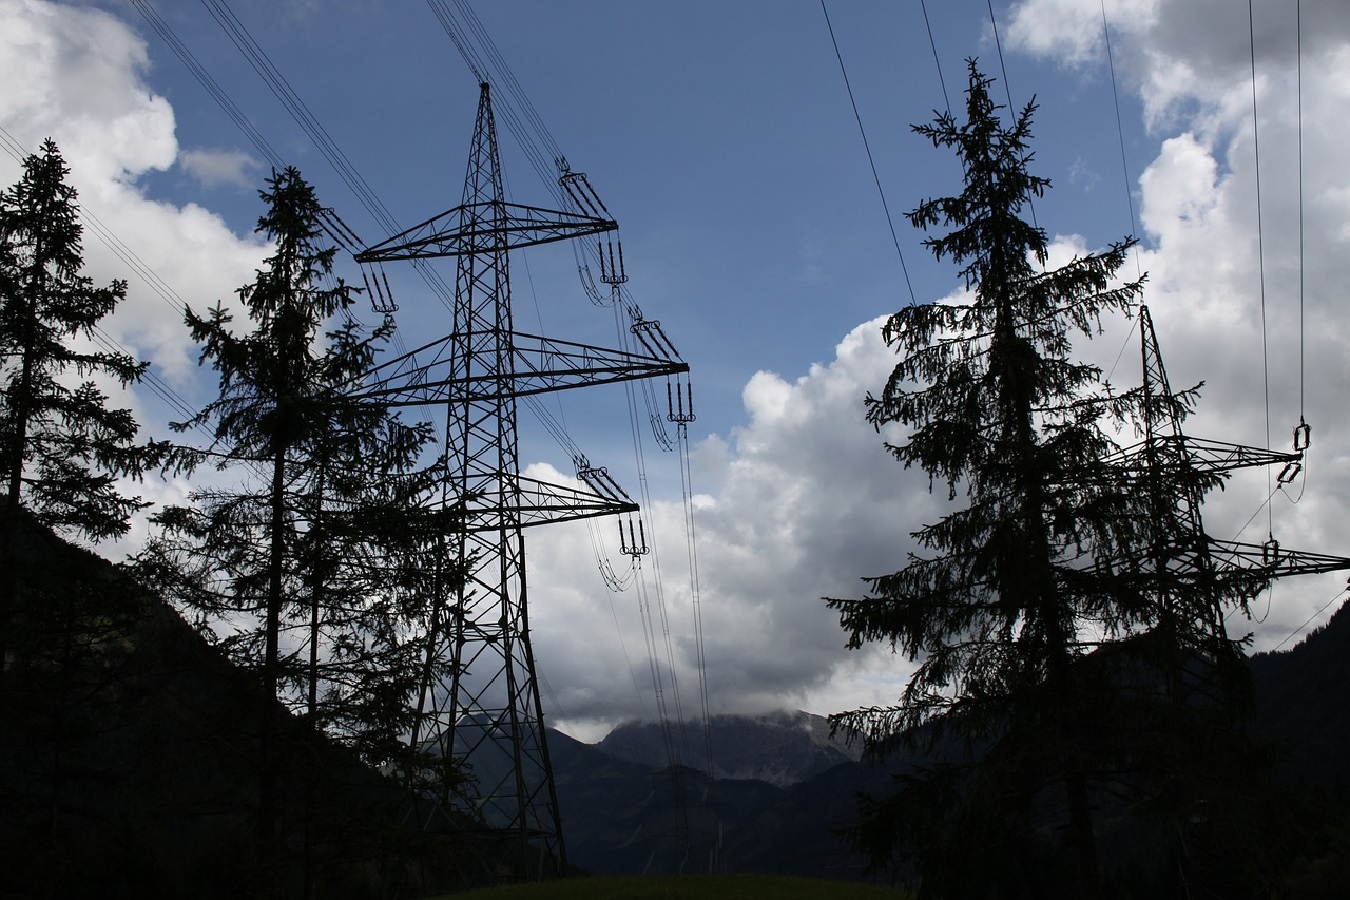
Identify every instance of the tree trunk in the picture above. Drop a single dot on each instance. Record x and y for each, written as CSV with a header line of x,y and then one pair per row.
x,y
1017,401
9,527
267,793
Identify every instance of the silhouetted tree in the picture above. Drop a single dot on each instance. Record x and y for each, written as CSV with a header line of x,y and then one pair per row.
x,y
1016,585
62,453
302,573
362,552
62,449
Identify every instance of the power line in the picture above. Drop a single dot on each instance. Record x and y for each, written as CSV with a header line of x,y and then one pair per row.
x,y
1299,630
282,89
1007,90
1120,133
241,121
998,45
890,223
1260,246
573,190
1298,30
947,101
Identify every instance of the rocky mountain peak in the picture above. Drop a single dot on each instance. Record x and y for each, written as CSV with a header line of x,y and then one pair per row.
x,y
781,747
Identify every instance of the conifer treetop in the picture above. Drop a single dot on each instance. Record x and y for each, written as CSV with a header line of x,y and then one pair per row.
x,y
63,447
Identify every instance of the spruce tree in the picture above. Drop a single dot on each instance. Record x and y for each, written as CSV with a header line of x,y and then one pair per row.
x,y
363,555
299,571
62,449
1012,589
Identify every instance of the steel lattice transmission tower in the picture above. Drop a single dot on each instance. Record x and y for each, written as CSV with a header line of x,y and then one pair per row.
x,y
1167,450
1188,572
480,700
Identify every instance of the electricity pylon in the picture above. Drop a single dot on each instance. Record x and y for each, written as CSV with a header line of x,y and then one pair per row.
x,y
1190,575
1166,451
479,701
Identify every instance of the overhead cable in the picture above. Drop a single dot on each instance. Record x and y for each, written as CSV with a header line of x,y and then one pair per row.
x,y
1120,133
946,100
1260,247
890,223
1007,91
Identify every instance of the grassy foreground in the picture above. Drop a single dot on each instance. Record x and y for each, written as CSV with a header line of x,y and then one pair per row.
x,y
685,887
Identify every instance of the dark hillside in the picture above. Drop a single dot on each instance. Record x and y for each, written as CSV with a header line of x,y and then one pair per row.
x,y
128,761
625,817
129,745
1303,703
620,817
1303,712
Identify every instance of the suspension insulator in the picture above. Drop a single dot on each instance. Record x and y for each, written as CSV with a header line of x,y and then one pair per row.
x,y
614,274
1289,472
575,184
589,475
634,543
1302,436
1270,553
381,301
645,331
369,293
680,402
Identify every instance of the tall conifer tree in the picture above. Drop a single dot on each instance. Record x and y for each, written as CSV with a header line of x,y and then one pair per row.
x,y
301,570
62,449
1005,601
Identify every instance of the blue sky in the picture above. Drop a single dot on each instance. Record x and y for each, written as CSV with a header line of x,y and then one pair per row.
x,y
720,135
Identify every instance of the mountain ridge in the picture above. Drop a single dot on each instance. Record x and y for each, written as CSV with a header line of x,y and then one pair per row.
x,y
618,796
779,747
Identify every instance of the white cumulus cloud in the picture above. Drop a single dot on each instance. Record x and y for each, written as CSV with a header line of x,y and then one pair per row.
x,y
1247,296
213,168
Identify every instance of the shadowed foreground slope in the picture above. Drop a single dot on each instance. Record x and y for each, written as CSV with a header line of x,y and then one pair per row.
x,y
689,887
129,752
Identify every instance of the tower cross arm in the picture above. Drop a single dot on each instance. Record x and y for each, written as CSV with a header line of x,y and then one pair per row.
x,y
531,501
486,226
542,365
547,364
1207,559
1274,561
1199,454
1251,567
